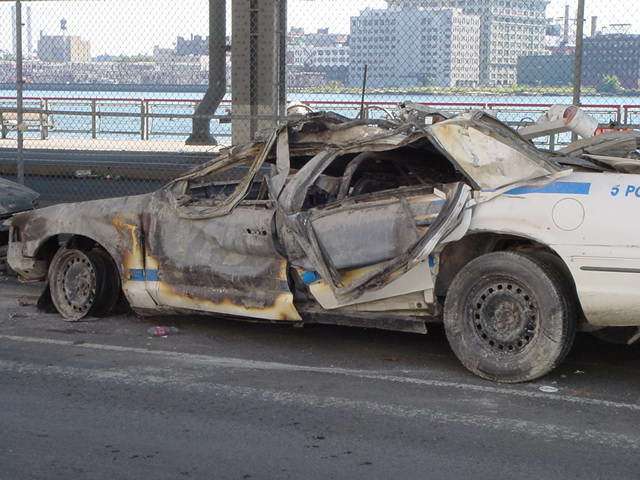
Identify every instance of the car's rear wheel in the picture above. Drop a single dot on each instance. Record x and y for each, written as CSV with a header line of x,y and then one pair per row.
x,y
509,317
83,283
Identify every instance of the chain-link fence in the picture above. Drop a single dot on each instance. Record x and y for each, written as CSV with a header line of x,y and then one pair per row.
x,y
119,96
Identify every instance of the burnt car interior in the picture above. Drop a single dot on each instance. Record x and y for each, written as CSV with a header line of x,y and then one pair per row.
x,y
347,176
367,173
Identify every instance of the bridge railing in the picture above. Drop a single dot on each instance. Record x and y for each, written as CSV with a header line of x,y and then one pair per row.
x,y
156,119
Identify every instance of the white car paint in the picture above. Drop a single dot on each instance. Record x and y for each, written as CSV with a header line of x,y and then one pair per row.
x,y
589,220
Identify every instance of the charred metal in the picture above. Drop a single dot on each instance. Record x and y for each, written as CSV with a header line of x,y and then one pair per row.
x,y
322,214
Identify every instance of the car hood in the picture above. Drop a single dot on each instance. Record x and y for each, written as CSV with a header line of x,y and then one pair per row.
x,y
15,198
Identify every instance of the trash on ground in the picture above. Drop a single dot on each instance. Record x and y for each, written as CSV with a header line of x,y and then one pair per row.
x,y
548,389
160,331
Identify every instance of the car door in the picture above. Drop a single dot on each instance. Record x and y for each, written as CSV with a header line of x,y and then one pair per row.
x,y
355,249
364,244
209,252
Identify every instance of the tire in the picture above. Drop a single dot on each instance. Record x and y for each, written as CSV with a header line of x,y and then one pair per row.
x,y
510,317
109,286
82,283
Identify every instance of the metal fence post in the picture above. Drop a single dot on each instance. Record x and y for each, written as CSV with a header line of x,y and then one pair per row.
x,y
94,126
19,95
143,119
577,73
43,117
282,58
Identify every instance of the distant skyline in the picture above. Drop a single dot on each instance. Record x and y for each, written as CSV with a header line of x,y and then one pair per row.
x,y
126,27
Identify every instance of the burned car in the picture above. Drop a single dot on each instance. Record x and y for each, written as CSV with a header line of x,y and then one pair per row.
x,y
381,224
14,198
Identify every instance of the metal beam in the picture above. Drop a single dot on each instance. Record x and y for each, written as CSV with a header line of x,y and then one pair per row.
x,y
255,51
19,93
201,130
577,73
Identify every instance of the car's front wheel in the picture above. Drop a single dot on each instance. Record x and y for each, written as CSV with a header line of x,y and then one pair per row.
x,y
509,317
83,283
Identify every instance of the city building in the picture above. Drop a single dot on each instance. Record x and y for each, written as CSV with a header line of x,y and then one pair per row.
x,y
551,70
509,29
318,55
408,47
612,54
63,48
196,45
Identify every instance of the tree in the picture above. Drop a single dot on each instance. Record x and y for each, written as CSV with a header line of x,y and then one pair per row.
x,y
610,84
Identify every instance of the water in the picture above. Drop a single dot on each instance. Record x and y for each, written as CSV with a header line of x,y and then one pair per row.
x,y
128,128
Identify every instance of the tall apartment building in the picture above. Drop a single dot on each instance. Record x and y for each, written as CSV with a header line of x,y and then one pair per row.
x,y
415,46
63,48
510,29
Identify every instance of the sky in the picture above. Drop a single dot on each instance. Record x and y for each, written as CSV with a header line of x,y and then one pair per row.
x,y
136,26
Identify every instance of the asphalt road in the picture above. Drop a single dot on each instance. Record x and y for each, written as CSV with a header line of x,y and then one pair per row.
x,y
225,400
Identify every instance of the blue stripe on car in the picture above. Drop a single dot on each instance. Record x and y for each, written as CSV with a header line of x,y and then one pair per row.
x,y
140,275
310,277
566,188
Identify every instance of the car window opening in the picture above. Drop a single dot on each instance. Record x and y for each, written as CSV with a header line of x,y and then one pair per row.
x,y
356,175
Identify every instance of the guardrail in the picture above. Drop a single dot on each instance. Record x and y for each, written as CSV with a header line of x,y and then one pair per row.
x,y
165,118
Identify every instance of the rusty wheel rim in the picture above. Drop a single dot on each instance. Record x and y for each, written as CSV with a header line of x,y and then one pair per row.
x,y
75,285
505,315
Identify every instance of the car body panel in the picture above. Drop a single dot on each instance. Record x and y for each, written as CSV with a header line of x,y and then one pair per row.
x,y
228,264
588,219
490,153
15,198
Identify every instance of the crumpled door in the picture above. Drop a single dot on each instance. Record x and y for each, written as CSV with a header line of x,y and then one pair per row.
x,y
490,153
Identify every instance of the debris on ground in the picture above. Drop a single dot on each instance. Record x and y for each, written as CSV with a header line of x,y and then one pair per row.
x,y
161,331
548,389
26,302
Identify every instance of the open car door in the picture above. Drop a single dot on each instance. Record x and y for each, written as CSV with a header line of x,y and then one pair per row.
x,y
362,248
364,243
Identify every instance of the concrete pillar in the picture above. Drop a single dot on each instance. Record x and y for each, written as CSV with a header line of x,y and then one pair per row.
x,y
254,55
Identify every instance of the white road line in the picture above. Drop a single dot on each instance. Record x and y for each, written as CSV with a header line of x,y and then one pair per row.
x,y
239,363
192,383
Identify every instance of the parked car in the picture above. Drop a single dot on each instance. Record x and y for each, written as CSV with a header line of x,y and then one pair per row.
x,y
382,224
14,198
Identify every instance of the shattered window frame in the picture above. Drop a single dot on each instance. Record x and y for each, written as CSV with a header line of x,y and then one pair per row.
x,y
187,207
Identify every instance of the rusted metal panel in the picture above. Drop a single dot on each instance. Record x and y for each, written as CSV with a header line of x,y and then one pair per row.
x,y
226,264
490,153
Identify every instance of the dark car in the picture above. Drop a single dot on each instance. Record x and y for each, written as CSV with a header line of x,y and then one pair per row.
x,y
14,198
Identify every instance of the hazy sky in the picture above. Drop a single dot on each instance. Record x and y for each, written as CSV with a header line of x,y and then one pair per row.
x,y
136,26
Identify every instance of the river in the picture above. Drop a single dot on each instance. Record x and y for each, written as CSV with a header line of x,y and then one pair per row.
x,y
121,128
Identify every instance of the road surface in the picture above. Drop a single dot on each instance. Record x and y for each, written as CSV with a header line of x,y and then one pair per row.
x,y
101,399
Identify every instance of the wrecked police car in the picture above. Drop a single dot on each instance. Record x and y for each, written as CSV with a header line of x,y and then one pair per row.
x,y
382,224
